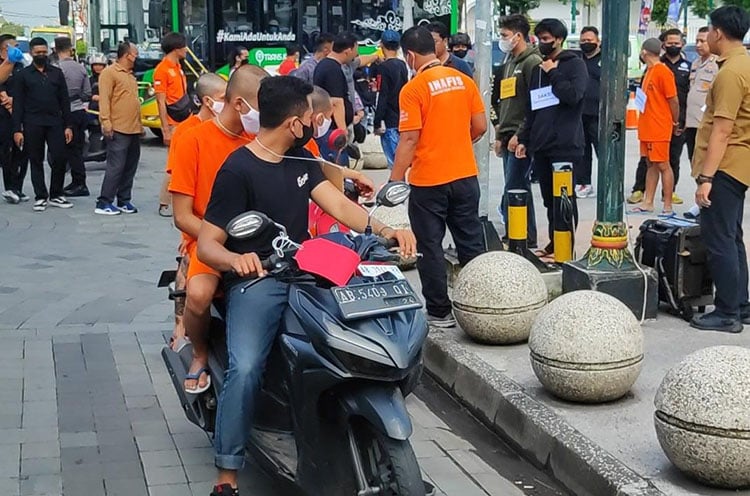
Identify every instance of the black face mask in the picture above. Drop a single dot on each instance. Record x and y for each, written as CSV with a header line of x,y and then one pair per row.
x,y
40,60
588,48
673,51
546,49
643,61
460,53
307,133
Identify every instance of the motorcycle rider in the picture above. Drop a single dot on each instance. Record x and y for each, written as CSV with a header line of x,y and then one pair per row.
x,y
269,175
197,158
210,90
97,62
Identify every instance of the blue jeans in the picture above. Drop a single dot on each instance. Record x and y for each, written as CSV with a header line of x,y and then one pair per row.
x,y
518,176
253,320
389,142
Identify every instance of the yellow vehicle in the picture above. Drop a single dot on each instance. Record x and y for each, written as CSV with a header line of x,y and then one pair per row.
x,y
49,33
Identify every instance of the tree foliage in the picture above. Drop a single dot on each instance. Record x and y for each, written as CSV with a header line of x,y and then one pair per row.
x,y
505,7
12,28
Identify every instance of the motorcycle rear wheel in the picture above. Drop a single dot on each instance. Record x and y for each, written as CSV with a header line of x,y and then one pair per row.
x,y
388,464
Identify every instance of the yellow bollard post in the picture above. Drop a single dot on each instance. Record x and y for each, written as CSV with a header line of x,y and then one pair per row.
x,y
564,226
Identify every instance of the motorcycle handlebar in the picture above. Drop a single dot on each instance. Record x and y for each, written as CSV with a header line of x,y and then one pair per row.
x,y
388,243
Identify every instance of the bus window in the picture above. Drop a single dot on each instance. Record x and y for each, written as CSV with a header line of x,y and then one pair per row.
x,y
336,17
235,16
281,16
196,26
311,22
370,18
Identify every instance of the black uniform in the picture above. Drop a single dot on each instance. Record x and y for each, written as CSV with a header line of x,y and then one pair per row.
x,y
590,118
681,71
13,160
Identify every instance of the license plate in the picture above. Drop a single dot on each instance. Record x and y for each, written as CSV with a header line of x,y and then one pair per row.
x,y
368,300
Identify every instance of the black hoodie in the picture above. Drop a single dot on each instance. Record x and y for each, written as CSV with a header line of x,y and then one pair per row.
x,y
557,131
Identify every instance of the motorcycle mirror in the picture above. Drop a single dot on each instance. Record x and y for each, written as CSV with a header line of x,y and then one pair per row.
x,y
393,194
247,225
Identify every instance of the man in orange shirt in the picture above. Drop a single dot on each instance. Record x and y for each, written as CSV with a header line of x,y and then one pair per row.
x,y
290,62
660,109
441,115
172,98
197,157
210,90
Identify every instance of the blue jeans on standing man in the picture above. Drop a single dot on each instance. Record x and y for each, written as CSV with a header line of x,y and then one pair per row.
x,y
253,320
389,142
517,173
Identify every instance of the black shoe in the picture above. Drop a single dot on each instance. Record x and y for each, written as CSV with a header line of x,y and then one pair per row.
x,y
76,190
715,322
745,314
225,490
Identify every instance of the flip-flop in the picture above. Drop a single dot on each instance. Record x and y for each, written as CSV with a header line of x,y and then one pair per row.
x,y
640,211
667,215
196,377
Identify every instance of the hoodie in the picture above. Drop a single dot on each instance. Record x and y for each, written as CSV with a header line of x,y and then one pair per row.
x,y
557,131
511,112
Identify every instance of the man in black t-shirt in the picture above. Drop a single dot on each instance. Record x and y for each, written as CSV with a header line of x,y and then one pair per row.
x,y
392,76
329,76
276,176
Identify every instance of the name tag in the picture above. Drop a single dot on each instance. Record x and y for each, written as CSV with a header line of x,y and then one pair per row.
x,y
640,100
508,88
542,98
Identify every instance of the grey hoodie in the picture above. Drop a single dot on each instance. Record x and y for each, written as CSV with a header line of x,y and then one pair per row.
x,y
510,112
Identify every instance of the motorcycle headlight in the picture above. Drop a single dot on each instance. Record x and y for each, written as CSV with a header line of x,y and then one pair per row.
x,y
150,91
361,366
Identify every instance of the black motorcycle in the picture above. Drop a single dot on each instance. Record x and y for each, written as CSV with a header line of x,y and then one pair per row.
x,y
331,416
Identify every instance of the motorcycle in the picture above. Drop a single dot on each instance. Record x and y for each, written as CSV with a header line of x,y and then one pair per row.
x,y
331,416
95,148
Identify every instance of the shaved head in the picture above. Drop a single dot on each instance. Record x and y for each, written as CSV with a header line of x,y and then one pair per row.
x,y
321,100
210,85
244,83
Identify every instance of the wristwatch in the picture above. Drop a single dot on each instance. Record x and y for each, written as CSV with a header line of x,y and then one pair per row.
x,y
701,179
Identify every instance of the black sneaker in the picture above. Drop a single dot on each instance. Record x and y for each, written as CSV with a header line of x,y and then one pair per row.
x,y
745,314
715,322
23,196
225,490
76,190
60,202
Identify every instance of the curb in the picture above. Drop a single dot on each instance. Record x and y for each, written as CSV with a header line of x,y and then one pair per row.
x,y
545,438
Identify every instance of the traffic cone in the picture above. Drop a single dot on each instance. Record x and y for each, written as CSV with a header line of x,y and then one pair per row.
x,y
631,114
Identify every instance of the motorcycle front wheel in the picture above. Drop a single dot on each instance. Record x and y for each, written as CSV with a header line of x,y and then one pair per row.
x,y
388,467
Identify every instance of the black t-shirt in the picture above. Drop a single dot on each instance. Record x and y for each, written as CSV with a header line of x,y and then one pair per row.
x,y
330,77
392,76
279,190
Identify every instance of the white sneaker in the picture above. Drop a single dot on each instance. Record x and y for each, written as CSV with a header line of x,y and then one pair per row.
x,y
11,197
441,322
584,191
60,202
40,205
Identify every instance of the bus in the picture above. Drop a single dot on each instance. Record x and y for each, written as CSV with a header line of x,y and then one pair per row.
x,y
266,27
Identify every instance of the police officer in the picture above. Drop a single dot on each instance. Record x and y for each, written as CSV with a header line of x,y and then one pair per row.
x,y
673,43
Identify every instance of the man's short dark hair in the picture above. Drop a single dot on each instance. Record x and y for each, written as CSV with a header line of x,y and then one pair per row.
x,y
38,41
670,32
391,45
322,40
704,29
5,37
590,29
344,41
172,42
439,28
235,52
124,49
63,44
732,20
555,27
280,98
418,39
516,23
291,50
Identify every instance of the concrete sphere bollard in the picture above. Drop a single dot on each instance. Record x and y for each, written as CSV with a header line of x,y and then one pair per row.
x,y
587,347
702,416
496,297
398,218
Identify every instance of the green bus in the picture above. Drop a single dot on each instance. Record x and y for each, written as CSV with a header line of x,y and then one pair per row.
x,y
266,27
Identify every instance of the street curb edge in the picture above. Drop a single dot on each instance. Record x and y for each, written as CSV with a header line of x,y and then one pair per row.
x,y
544,437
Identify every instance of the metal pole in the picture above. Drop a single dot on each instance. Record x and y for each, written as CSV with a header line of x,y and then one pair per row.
x,y
610,235
482,75
408,6
573,11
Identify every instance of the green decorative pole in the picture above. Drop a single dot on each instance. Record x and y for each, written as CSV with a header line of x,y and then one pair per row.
x,y
573,11
610,234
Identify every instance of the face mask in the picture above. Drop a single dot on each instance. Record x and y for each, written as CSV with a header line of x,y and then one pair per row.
x,y
307,134
588,48
412,70
508,45
323,128
251,120
640,57
546,48
673,51
216,106
460,53
40,60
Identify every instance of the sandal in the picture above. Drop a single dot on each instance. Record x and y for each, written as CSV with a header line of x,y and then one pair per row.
x,y
178,344
165,210
546,254
196,377
640,211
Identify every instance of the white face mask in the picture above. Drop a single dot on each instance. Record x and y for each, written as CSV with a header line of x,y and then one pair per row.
x,y
251,120
216,106
508,45
323,128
